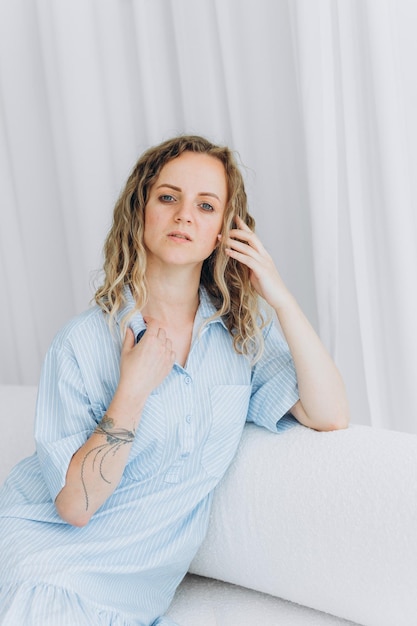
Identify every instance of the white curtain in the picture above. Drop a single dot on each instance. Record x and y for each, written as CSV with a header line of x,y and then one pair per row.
x,y
317,97
357,81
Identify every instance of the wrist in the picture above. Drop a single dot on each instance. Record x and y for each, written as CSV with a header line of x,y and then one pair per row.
x,y
286,301
108,428
126,407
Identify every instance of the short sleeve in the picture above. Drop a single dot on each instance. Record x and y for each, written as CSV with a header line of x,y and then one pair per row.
x,y
64,418
274,385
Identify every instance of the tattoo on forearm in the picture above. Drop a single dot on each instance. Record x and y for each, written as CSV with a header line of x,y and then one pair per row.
x,y
115,439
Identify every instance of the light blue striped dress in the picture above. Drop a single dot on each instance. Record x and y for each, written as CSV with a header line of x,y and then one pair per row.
x,y
122,569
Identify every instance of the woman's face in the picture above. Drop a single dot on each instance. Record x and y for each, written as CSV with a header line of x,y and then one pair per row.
x,y
185,209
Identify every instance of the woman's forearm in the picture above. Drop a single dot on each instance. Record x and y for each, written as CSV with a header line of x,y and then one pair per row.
x,y
96,468
322,391
323,403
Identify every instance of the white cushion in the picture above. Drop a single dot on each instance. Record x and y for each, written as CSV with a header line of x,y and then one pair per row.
x,y
204,602
326,520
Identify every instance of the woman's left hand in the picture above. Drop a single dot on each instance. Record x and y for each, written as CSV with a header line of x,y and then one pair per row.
x,y
244,246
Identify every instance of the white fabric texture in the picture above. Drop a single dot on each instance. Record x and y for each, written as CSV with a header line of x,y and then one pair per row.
x,y
354,62
203,602
317,96
333,527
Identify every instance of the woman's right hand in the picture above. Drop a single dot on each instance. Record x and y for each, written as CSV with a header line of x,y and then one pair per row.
x,y
144,365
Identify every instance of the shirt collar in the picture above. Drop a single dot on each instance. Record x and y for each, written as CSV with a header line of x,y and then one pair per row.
x,y
206,309
136,322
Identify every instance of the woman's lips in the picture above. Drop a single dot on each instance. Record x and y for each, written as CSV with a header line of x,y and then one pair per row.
x,y
179,236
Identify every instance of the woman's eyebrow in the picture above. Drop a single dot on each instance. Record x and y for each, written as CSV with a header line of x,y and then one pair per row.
x,y
170,186
201,193
209,193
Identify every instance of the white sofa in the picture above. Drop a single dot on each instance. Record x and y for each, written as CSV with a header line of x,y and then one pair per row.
x,y
307,528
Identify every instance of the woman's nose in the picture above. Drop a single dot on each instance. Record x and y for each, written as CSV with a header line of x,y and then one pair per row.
x,y
184,212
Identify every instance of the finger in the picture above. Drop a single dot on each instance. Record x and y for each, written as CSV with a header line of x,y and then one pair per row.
x,y
248,238
152,326
241,235
161,334
241,223
129,340
243,232
246,247
242,258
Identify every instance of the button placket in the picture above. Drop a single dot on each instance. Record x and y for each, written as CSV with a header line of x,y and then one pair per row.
x,y
187,439
185,429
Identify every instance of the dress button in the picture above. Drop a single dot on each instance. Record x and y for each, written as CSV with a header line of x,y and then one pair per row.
x,y
187,380
188,419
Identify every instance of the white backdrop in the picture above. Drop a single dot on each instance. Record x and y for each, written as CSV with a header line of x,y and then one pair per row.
x,y
318,98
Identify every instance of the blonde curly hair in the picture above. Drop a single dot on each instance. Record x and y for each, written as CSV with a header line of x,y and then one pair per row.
x,y
225,279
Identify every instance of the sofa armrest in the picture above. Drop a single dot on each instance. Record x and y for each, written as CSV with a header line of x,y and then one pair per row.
x,y
323,519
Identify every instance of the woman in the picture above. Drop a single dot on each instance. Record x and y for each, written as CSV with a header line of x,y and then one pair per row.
x,y
143,398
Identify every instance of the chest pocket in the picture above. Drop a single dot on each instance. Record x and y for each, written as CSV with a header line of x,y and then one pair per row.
x,y
229,406
148,448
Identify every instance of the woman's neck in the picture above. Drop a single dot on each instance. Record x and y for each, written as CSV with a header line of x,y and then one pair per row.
x,y
172,296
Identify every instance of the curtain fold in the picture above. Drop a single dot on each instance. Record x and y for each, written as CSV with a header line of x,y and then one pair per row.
x,y
313,30
360,175
316,96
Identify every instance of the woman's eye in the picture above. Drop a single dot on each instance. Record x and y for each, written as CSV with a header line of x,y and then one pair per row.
x,y
166,197
206,206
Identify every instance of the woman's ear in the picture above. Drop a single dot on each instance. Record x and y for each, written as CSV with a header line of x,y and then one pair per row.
x,y
218,241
